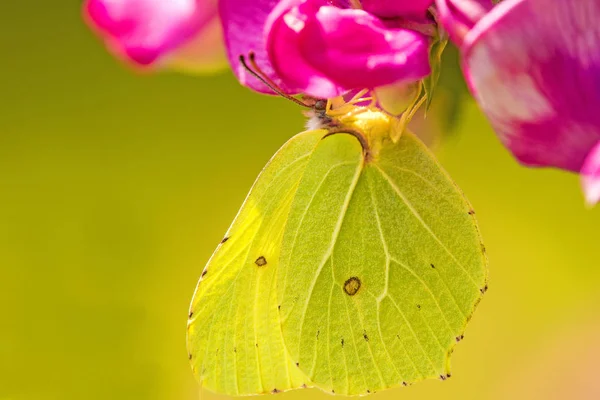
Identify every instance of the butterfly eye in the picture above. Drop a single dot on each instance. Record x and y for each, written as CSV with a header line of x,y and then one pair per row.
x,y
321,105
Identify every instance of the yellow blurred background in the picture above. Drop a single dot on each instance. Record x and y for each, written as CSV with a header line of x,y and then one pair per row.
x,y
115,188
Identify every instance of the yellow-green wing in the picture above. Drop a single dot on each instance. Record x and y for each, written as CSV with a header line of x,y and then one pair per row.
x,y
234,333
382,266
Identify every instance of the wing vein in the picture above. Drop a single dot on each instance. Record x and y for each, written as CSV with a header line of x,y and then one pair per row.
x,y
420,219
409,325
355,348
428,182
409,269
336,231
427,288
383,342
362,322
329,332
334,236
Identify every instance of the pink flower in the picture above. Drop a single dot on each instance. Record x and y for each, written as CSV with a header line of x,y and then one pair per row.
x,y
325,48
184,33
534,68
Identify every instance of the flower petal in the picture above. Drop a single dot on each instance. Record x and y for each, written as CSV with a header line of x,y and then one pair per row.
x,y
397,8
144,31
204,53
459,16
534,68
325,50
243,26
590,176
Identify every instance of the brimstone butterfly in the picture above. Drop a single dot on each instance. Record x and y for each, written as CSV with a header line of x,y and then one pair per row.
x,y
353,266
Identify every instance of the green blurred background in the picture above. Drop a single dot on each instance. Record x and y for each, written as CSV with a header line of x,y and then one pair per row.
x,y
115,188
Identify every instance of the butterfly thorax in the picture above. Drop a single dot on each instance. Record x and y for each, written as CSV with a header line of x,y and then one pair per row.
x,y
373,125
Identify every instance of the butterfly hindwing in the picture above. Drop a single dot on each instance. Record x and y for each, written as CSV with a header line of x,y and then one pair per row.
x,y
381,267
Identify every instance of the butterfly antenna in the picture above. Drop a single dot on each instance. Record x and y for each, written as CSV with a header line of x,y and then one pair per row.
x,y
258,73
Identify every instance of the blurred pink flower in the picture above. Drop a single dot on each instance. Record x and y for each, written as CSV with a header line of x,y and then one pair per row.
x,y
534,68
180,33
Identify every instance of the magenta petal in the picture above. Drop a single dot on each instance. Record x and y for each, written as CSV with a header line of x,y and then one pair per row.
x,y
590,176
397,8
459,16
325,50
534,68
144,31
284,49
243,27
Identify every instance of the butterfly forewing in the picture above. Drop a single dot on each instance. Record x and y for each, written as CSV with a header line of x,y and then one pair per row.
x,y
234,333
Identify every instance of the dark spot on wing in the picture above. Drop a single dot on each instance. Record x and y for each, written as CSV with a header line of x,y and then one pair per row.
x,y
226,238
235,349
274,391
318,332
261,261
191,314
448,375
443,377
342,342
352,285
365,336
471,212
404,384
256,344
368,391
419,306
483,289
297,364
190,356
459,338
332,391
304,386
432,266
204,273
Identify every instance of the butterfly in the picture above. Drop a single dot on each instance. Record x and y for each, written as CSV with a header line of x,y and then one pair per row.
x,y
353,266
